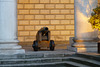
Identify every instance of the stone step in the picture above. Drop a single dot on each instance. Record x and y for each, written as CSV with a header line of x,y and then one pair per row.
x,y
82,49
85,61
54,64
93,56
35,60
39,54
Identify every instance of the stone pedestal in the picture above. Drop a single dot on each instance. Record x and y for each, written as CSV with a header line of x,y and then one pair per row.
x,y
8,28
85,35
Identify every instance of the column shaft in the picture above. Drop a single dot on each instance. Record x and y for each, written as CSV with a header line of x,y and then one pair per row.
x,y
8,28
85,35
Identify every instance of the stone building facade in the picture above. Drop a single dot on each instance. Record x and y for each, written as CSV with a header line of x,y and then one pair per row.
x,y
57,15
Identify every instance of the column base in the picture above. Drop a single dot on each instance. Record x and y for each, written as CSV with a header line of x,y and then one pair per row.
x,y
12,52
79,50
9,47
82,46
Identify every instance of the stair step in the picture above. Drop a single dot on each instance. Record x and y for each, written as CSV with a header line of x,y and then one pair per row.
x,y
39,54
93,56
35,60
85,61
55,64
76,64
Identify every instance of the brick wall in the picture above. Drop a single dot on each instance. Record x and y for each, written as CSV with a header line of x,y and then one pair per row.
x,y
58,15
98,2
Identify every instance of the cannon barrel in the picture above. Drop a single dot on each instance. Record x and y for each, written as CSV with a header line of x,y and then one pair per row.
x,y
43,34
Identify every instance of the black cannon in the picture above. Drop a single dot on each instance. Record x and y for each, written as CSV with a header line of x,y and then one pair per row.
x,y
43,40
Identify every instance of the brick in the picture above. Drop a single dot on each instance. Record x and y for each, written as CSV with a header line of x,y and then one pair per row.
x,y
60,38
23,22
65,11
55,11
65,21
20,28
34,11
72,32
69,6
44,11
21,39
29,27
23,1
29,6
54,1
51,27
64,1
39,16
50,6
24,33
30,38
20,17
44,1
34,22
67,38
60,17
55,32
52,38
55,21
71,1
38,27
65,32
39,6
23,11
60,27
72,11
50,16
29,17
34,1
33,33
72,22
59,6
44,22
69,16
20,6
69,26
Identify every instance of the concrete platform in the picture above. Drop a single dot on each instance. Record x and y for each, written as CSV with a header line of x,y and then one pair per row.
x,y
46,58
39,54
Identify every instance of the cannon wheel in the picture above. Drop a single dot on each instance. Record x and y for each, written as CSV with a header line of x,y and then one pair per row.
x,y
52,45
35,46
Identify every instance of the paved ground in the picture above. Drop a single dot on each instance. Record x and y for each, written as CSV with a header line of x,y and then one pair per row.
x,y
47,52
29,50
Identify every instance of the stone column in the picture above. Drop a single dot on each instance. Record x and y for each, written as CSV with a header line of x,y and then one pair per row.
x,y
8,28
85,35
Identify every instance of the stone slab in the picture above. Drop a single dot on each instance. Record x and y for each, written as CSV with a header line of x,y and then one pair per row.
x,y
39,54
12,52
83,49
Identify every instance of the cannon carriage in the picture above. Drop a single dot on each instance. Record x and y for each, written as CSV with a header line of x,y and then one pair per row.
x,y
43,40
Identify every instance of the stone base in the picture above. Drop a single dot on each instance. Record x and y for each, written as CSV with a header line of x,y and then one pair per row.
x,y
84,49
12,52
10,47
82,46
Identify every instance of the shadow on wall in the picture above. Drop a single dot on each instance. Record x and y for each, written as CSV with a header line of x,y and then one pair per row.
x,y
89,35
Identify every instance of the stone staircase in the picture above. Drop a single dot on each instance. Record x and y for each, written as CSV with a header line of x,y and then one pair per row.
x,y
59,58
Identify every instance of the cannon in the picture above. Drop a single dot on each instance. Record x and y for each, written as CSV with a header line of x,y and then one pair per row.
x,y
43,40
